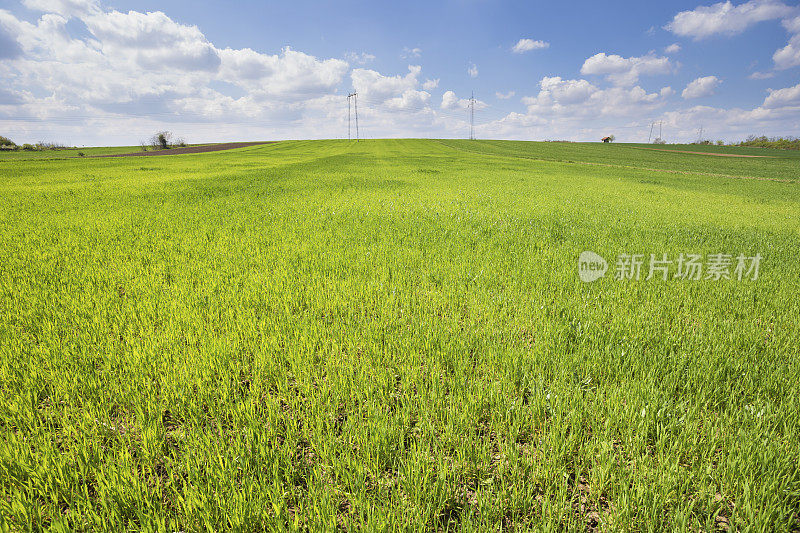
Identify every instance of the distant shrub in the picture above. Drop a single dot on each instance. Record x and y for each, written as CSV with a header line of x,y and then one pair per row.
x,y
659,140
782,143
720,142
81,154
161,140
42,145
29,147
180,142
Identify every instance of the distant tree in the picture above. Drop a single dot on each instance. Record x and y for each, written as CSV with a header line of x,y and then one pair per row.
x,y
612,137
784,143
179,142
720,142
659,140
161,140
5,141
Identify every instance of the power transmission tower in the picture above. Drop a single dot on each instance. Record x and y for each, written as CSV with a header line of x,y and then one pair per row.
x,y
660,122
700,135
354,96
652,124
472,117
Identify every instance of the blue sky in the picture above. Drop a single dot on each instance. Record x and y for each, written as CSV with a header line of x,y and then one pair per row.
x,y
91,72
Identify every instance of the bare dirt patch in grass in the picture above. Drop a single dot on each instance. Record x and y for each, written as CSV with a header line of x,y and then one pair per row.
x,y
192,149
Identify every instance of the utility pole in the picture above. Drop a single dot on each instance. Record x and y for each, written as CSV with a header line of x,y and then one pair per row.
x,y
652,124
354,96
472,117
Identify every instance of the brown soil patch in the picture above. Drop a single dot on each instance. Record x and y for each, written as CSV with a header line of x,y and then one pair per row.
x,y
191,149
698,153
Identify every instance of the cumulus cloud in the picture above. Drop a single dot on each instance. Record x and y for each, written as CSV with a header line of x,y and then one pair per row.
x,y
290,72
152,40
81,69
526,45
701,87
782,98
393,92
726,19
626,70
789,55
672,49
376,85
450,101
132,68
576,109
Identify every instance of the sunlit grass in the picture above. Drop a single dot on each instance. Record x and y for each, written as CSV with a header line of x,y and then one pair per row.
x,y
392,334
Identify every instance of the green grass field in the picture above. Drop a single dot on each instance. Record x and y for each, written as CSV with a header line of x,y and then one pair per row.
x,y
392,334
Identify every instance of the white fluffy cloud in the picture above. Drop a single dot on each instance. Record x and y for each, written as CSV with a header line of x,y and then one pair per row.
x,y
288,73
789,56
81,71
701,87
472,70
450,101
782,98
129,73
672,49
626,70
526,45
373,84
725,18
579,98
